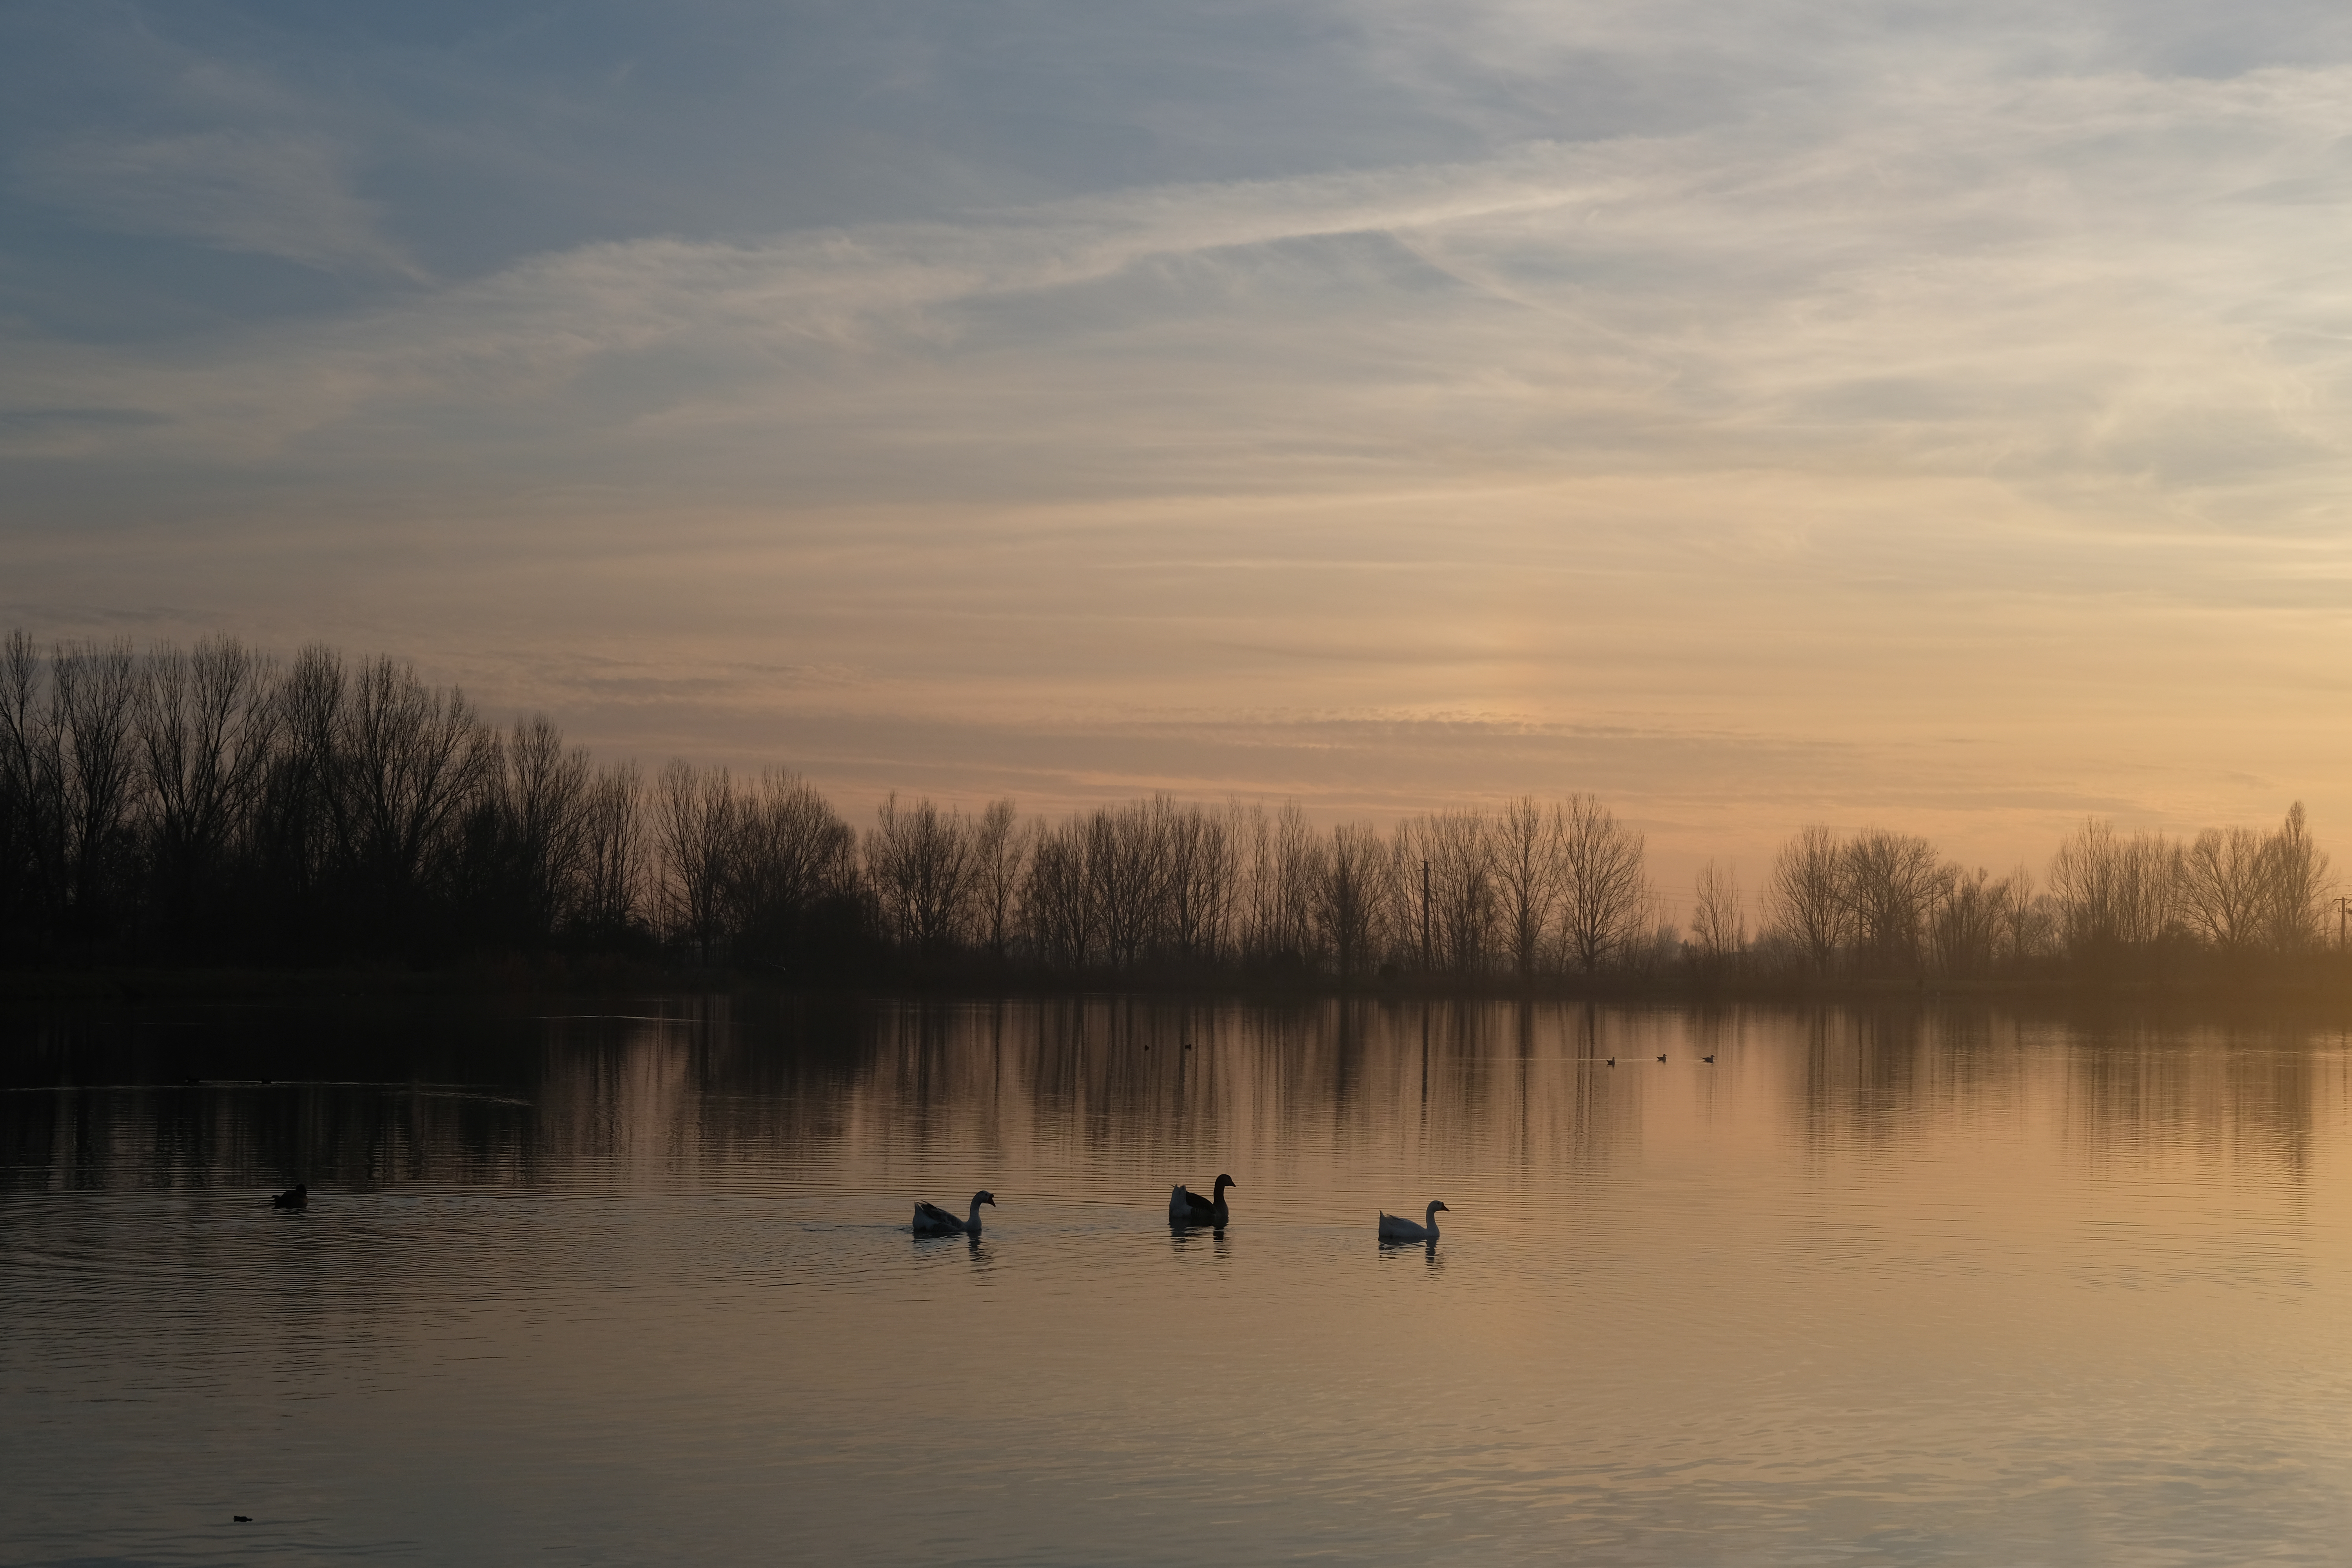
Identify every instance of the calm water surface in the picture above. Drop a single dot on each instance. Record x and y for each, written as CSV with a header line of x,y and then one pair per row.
x,y
634,1285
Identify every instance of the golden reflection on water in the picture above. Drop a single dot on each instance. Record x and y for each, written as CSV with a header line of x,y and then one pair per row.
x,y
1916,1284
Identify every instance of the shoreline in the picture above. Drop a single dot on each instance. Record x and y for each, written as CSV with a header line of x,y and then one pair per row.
x,y
2323,989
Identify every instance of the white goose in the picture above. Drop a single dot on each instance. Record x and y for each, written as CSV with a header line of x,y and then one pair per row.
x,y
1395,1229
932,1220
1187,1207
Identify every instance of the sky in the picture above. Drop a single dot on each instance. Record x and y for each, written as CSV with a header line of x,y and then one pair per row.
x,y
1923,415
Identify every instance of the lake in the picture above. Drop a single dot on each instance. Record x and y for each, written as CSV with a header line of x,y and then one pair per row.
x,y
634,1282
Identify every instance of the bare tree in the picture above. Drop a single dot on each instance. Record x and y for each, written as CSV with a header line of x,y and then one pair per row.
x,y
1199,888
2113,893
1001,853
209,725
1718,925
1891,882
924,866
1128,865
1352,896
2030,924
538,810
89,769
695,812
613,853
1528,860
413,758
1807,894
32,830
790,854
1606,884
1458,850
2296,883
1057,906
302,825
2225,886
1965,926
1283,862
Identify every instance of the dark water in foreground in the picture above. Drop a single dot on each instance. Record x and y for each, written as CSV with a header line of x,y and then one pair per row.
x,y
1936,1289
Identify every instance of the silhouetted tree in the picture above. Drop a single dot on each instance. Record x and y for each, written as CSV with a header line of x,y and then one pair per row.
x,y
789,880
1459,852
1718,926
1057,902
613,857
1528,848
695,835
412,759
2225,886
1001,854
209,729
1283,862
1606,896
1890,882
1352,896
2296,883
1965,925
2113,894
1199,889
1806,896
924,866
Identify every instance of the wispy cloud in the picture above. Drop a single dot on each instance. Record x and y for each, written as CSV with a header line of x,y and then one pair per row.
x,y
2113,282
279,194
1827,378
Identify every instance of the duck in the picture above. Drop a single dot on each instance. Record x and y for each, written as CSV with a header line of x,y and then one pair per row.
x,y
1613,1061
1708,1059
1186,1207
932,1220
1662,1059
296,1197
1395,1229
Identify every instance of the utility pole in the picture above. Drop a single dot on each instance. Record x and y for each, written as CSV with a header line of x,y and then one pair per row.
x,y
2342,905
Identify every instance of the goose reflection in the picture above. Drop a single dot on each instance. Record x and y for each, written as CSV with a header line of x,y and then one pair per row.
x,y
1182,1236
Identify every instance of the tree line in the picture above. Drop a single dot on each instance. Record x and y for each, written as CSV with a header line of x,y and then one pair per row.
x,y
211,805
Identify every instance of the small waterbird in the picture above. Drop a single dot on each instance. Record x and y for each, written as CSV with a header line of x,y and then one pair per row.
x,y
1613,1061
1395,1229
298,1198
1187,1207
932,1220
1662,1059
1707,1059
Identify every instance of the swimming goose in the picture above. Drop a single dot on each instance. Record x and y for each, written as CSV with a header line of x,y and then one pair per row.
x,y
1185,1207
1395,1229
932,1220
293,1198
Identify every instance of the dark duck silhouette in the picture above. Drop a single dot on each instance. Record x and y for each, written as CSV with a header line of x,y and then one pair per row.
x,y
293,1198
1190,1208
1393,1228
932,1220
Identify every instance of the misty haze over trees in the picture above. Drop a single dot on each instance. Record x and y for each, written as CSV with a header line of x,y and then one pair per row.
x,y
210,806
